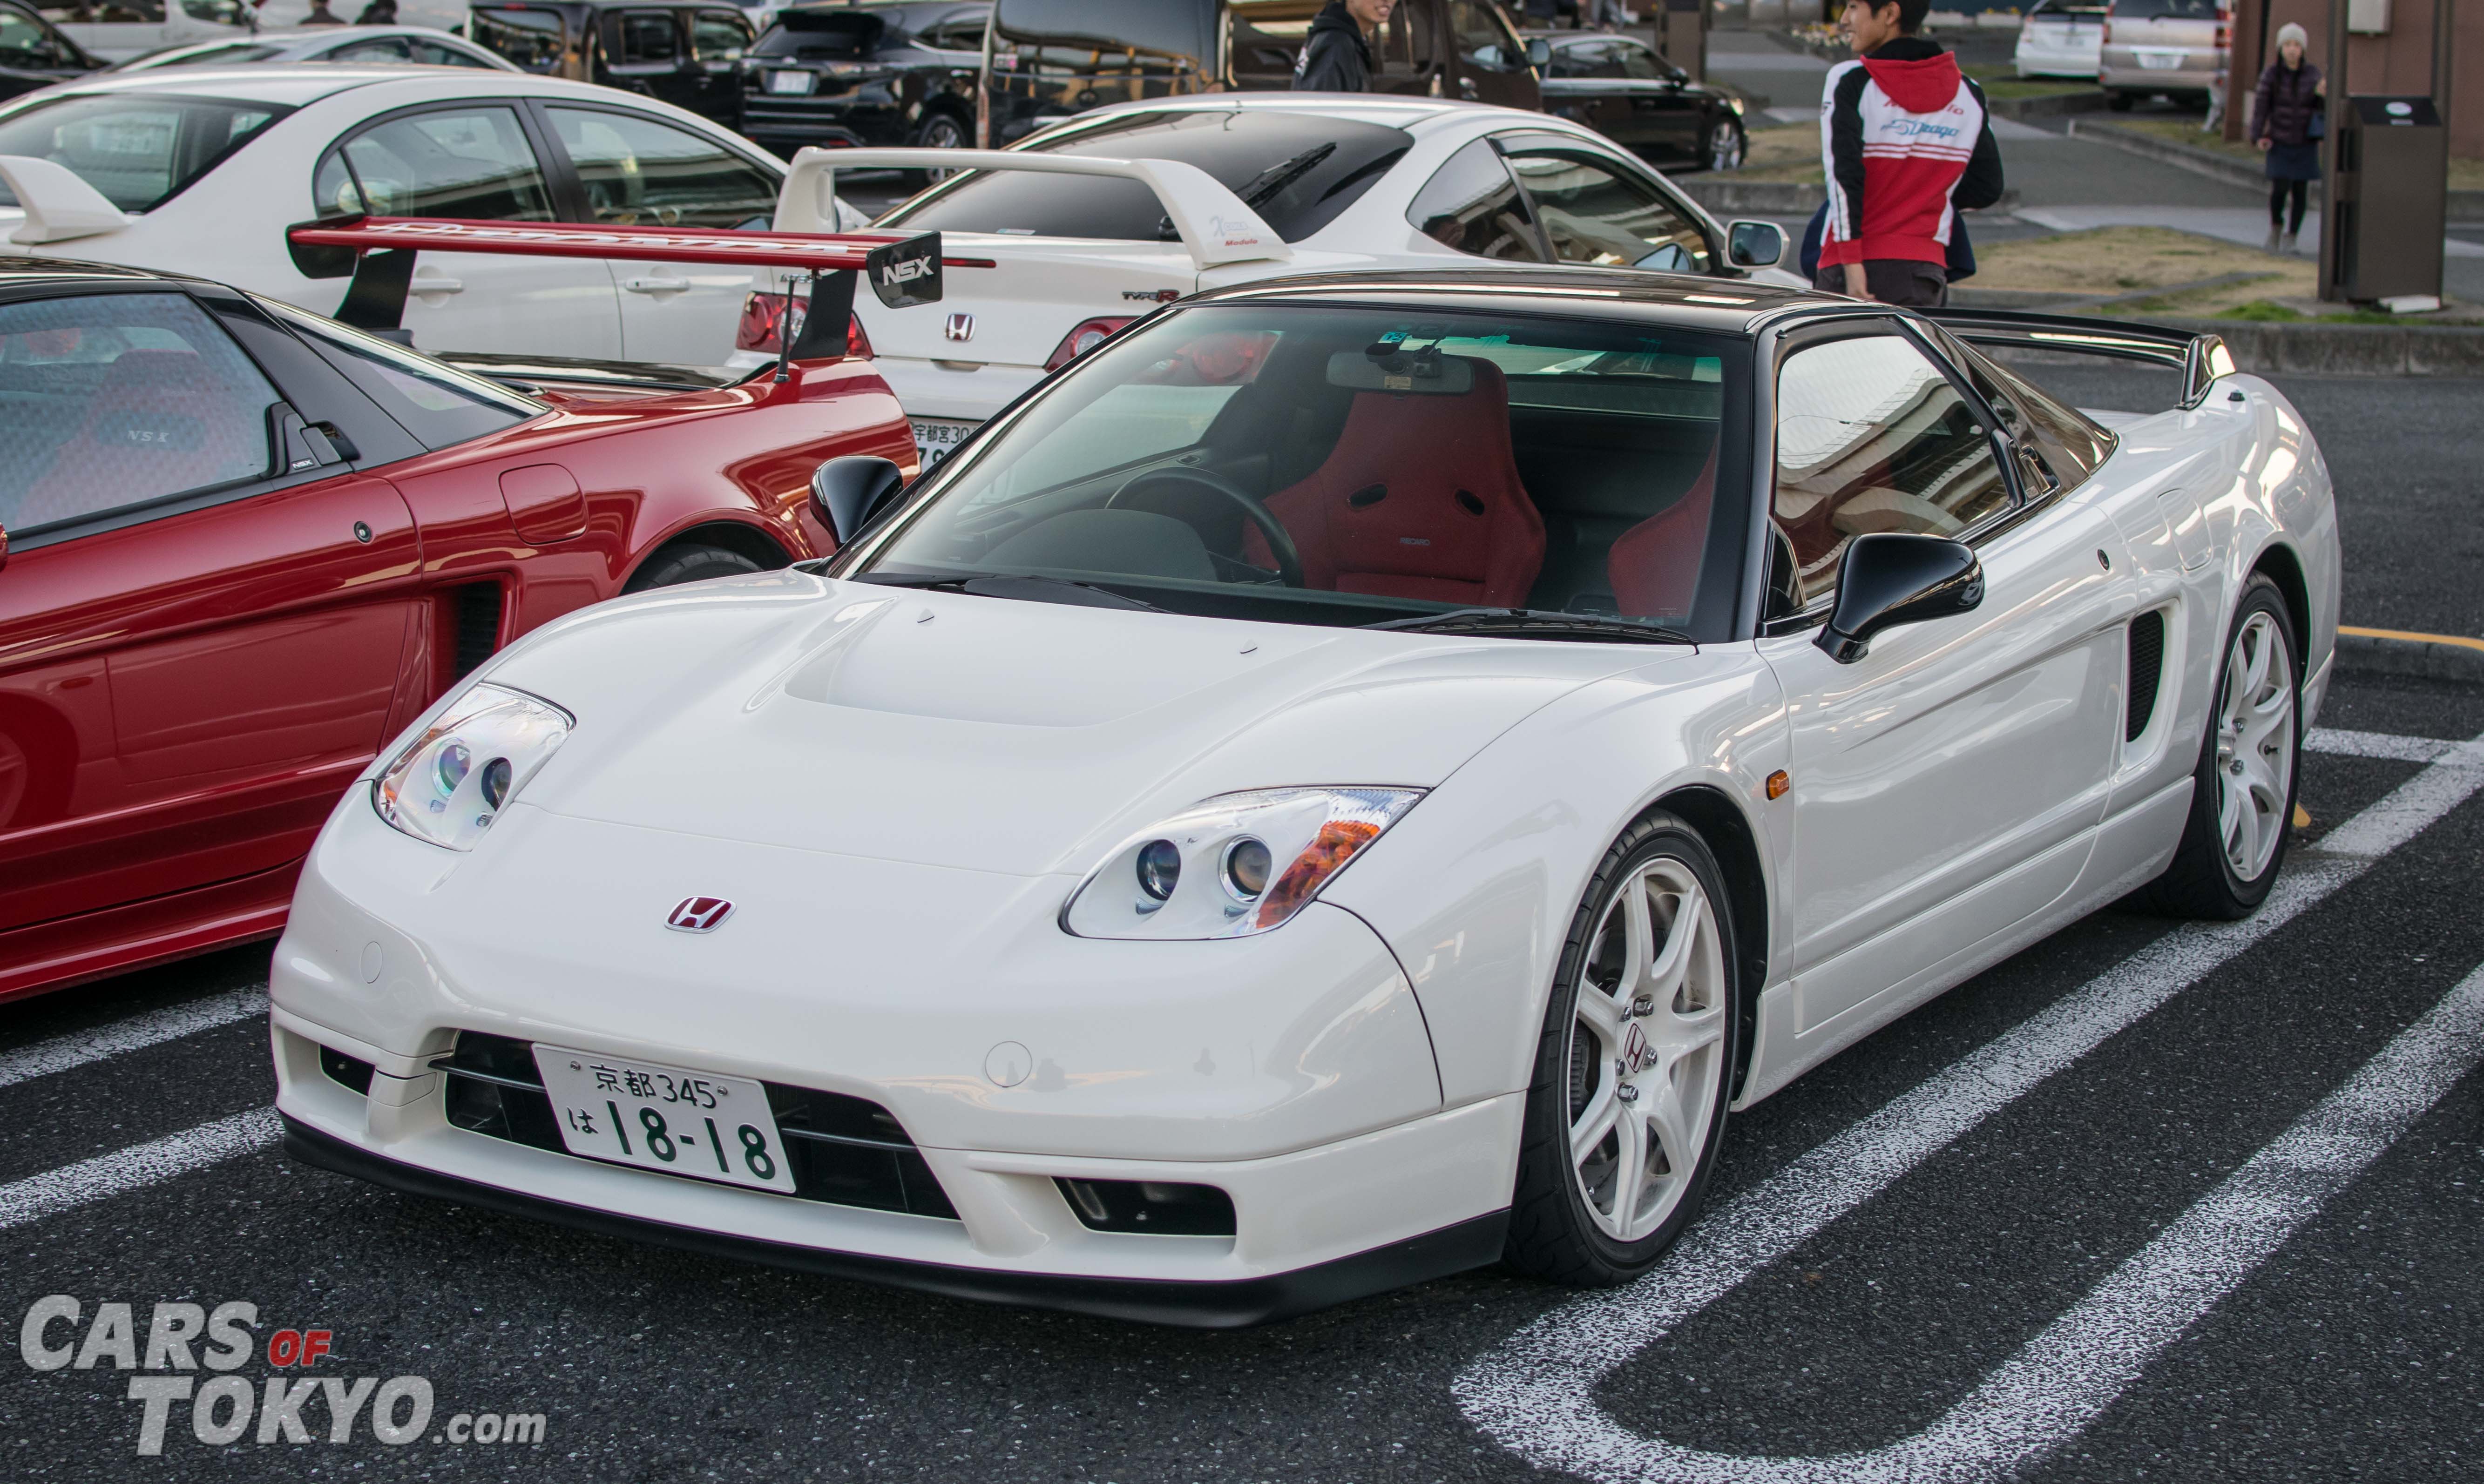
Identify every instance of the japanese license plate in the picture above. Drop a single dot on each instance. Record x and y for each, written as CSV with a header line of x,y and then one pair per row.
x,y
2160,61
932,441
664,1117
789,82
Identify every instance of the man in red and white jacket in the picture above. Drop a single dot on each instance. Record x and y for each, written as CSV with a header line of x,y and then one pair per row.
x,y
1907,141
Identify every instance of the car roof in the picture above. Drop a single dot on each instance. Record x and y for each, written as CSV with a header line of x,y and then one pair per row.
x,y
1730,306
288,84
1391,109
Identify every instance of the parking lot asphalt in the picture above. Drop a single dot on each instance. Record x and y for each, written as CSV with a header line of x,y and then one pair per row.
x,y
2147,1201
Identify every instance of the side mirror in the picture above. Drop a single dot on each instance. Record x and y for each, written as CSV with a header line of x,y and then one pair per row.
x,y
1539,53
848,492
1892,578
1755,244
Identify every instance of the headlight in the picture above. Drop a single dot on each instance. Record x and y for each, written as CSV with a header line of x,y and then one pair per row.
x,y
1234,865
464,770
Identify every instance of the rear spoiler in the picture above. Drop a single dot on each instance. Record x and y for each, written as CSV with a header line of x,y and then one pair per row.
x,y
1212,222
2201,359
902,270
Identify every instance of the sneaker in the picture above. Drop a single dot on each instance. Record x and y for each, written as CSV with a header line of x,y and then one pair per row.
x,y
2270,246
2286,247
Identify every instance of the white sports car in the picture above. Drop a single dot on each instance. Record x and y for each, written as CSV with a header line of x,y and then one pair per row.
x,y
1098,220
1347,783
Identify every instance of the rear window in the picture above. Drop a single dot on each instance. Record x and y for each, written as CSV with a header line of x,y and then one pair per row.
x,y
138,150
1180,31
1297,172
530,38
802,37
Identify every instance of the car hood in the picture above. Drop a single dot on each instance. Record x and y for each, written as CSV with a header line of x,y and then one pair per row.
x,y
989,733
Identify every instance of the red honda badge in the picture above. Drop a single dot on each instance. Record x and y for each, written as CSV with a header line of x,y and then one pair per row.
x,y
699,914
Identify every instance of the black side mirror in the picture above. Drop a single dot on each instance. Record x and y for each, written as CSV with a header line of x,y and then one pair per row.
x,y
1893,577
846,493
1755,244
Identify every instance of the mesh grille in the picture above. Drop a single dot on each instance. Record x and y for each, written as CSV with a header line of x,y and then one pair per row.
x,y
478,625
2147,663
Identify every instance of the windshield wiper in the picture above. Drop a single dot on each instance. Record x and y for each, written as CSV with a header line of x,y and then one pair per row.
x,y
1033,589
1537,623
1265,186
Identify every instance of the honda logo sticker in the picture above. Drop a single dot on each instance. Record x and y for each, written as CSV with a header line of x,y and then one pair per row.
x,y
960,327
699,914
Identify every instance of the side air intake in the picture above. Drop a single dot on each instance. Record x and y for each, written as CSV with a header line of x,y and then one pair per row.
x,y
2146,666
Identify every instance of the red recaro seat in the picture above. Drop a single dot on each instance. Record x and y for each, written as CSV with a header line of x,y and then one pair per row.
x,y
1655,564
1421,498
161,422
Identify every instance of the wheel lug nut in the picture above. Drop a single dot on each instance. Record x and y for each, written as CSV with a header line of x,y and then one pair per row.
x,y
1627,1092
1644,1005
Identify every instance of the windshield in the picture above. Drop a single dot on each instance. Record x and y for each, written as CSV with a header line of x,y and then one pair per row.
x,y
139,149
1298,172
1335,466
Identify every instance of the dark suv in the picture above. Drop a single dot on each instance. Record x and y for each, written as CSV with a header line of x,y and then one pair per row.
x,y
899,73
685,52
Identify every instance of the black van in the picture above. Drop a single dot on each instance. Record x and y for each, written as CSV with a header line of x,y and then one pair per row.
x,y
685,52
1047,59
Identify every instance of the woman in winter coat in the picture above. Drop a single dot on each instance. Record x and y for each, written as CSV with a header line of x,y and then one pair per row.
x,y
2290,101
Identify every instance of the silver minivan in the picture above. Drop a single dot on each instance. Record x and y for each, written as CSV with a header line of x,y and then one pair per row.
x,y
2176,48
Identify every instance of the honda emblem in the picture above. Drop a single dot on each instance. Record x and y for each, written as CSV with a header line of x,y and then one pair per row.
x,y
1638,1054
960,327
699,914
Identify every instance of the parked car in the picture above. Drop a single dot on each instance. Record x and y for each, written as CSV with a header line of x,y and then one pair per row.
x,y
1350,783
117,30
684,53
866,74
35,53
1049,59
2060,39
417,45
1625,89
2164,48
119,174
241,546
1262,185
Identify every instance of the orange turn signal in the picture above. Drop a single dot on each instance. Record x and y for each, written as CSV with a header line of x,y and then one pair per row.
x,y
1778,783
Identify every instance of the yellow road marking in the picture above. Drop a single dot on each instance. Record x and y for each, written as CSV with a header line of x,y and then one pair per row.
x,y
2420,638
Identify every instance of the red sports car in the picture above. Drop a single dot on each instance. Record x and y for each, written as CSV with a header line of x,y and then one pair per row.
x,y
242,546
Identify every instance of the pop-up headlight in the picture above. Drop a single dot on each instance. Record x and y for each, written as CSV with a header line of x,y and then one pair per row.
x,y
1234,865
467,766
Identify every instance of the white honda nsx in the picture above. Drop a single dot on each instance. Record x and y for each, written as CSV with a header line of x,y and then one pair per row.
x,y
1350,782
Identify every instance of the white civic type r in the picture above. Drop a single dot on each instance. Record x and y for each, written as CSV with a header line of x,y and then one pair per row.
x,y
1349,782
202,169
1072,235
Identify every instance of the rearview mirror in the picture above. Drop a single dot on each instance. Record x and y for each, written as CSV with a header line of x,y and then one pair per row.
x,y
1755,244
1539,52
846,493
1893,577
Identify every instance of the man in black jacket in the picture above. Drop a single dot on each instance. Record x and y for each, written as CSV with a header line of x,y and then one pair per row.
x,y
1336,56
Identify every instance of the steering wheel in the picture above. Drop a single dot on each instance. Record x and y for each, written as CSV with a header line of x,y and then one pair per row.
x,y
1290,561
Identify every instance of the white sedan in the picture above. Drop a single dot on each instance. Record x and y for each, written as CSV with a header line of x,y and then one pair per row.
x,y
1083,227
2059,39
201,170
1349,782
411,46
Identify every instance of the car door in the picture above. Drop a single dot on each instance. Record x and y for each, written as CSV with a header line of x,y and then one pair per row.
x,y
633,170
1598,208
719,37
1948,783
202,613
1664,117
1491,62
475,160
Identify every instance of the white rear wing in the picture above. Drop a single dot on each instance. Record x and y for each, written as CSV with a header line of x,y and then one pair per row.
x,y
1213,222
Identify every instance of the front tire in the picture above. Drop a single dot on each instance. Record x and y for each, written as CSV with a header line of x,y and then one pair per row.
x,y
1627,1106
690,563
2242,795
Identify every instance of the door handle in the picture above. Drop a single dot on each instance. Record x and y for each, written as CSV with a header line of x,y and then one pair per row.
x,y
653,286
442,284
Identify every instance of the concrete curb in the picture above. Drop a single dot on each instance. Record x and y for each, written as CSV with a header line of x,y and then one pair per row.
x,y
2385,653
2463,205
2315,349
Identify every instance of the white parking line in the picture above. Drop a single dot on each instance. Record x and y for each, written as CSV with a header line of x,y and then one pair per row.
x,y
63,1052
105,1175
1536,1393
2374,744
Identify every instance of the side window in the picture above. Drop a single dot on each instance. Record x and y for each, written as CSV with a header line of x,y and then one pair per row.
x,y
23,44
1871,436
719,37
1596,213
1472,205
433,54
639,172
472,163
1482,38
646,38
437,404
1639,62
1587,59
113,400
2065,445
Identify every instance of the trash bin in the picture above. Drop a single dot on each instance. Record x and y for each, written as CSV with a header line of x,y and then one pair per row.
x,y
2387,197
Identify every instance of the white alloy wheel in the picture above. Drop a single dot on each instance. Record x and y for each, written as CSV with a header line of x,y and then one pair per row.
x,y
1726,146
2256,746
1647,1049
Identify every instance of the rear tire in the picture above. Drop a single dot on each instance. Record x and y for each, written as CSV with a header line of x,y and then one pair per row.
x,y
2120,102
1632,1067
2242,793
1725,146
687,563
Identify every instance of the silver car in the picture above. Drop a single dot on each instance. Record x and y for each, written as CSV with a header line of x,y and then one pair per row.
x,y
2176,48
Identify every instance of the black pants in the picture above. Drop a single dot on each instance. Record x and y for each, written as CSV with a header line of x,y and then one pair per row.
x,y
2278,194
1892,281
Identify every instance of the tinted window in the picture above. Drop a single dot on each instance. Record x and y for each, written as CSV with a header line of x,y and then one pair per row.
x,y
1587,59
1595,212
435,403
1471,205
2070,445
1871,436
472,163
23,44
534,40
1637,61
644,39
1163,30
138,150
719,36
638,172
1297,172
829,36
381,49
433,54
113,400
